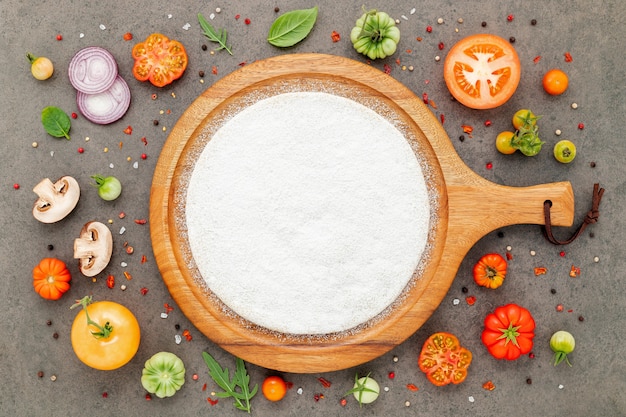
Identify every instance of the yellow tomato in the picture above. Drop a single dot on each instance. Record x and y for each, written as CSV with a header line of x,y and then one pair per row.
x,y
105,335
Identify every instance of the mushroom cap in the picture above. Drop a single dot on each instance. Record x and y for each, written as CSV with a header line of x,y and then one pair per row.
x,y
93,248
56,200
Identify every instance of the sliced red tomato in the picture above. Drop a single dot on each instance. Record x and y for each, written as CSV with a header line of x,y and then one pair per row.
x,y
159,60
482,71
444,360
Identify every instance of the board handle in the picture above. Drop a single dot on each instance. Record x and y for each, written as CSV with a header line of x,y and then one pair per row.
x,y
480,208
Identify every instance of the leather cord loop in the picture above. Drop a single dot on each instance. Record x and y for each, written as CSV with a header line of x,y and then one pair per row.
x,y
591,217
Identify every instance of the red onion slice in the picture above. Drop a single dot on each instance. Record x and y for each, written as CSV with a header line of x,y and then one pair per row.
x,y
92,70
106,107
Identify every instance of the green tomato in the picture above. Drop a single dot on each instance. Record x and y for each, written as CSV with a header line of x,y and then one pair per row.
x,y
375,35
562,343
163,374
109,188
564,151
365,390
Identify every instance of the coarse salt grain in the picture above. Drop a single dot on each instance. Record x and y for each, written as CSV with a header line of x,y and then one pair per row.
x,y
102,27
308,211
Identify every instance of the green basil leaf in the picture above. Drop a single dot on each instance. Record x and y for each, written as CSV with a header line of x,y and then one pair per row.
x,y
292,27
56,122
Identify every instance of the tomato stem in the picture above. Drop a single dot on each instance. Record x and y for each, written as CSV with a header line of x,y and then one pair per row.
x,y
104,331
510,334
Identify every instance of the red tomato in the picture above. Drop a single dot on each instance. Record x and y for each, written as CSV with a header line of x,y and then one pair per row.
x,y
444,360
509,332
482,71
159,60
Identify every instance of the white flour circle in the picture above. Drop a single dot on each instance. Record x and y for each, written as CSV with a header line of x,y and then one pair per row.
x,y
307,213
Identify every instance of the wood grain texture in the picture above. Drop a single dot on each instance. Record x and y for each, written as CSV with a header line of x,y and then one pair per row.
x,y
463,218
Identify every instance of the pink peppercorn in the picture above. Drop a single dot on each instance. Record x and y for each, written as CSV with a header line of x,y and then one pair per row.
x,y
429,28
441,46
489,165
487,123
144,156
81,150
581,126
16,186
509,18
247,21
59,37
391,375
74,116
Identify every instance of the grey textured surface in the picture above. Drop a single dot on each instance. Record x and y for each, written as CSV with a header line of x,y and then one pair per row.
x,y
591,32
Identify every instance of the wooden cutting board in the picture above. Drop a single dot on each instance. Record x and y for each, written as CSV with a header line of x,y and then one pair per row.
x,y
468,208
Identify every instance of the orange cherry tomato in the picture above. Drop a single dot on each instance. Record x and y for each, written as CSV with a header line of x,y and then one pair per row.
x,y
51,278
159,60
482,71
274,388
490,270
555,82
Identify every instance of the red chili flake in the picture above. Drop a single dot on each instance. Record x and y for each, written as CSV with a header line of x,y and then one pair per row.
x,y
129,130
397,61
212,401
442,118
59,37
121,145
148,397
144,141
531,355
325,383
289,384
335,36
16,186
408,51
537,59
467,129
509,256
81,150
343,402
425,98
187,335
581,126
128,36
121,215
195,377
391,375
540,270
144,156
570,310
143,291
509,18
168,308
574,271
429,28
128,277
412,387
237,16
247,21
432,103
214,70
204,387
74,115
318,397
489,165
568,57
489,386
471,300
143,259
387,69
559,307
105,395
419,39
141,221
487,123
441,46
110,281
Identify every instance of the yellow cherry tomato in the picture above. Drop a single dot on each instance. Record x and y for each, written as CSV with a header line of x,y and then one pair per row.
x,y
503,143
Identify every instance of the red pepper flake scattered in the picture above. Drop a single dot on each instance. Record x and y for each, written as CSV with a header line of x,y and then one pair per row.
x,y
74,115
489,386
105,394
168,309
397,61
562,254
247,21
121,145
121,215
129,130
335,36
144,141
429,28
143,291
408,51
81,150
570,310
487,123
237,16
141,221
318,397
441,46
325,383
391,375
148,397
387,69
568,57
581,126
343,402
128,277
187,335
471,300
143,259
425,98
540,270
432,103
509,18
289,384
537,59
204,387
110,281
442,118
128,36
212,401
59,37
574,271
419,39
412,387
509,256
467,129
489,165
214,70
16,186
559,307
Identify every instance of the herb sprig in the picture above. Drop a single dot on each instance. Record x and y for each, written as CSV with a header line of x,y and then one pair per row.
x,y
217,36
238,387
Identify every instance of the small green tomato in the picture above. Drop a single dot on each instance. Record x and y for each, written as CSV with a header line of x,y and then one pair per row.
x,y
562,343
565,151
109,188
163,374
365,389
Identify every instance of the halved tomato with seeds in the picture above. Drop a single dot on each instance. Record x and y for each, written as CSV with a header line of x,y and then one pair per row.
x,y
444,360
159,60
482,71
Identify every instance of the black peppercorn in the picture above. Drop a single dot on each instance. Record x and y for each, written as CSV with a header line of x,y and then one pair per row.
x,y
512,39
553,291
533,22
484,24
201,74
155,122
204,47
50,247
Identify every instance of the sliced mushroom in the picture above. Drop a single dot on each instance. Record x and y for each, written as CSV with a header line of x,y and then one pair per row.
x,y
55,200
93,248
